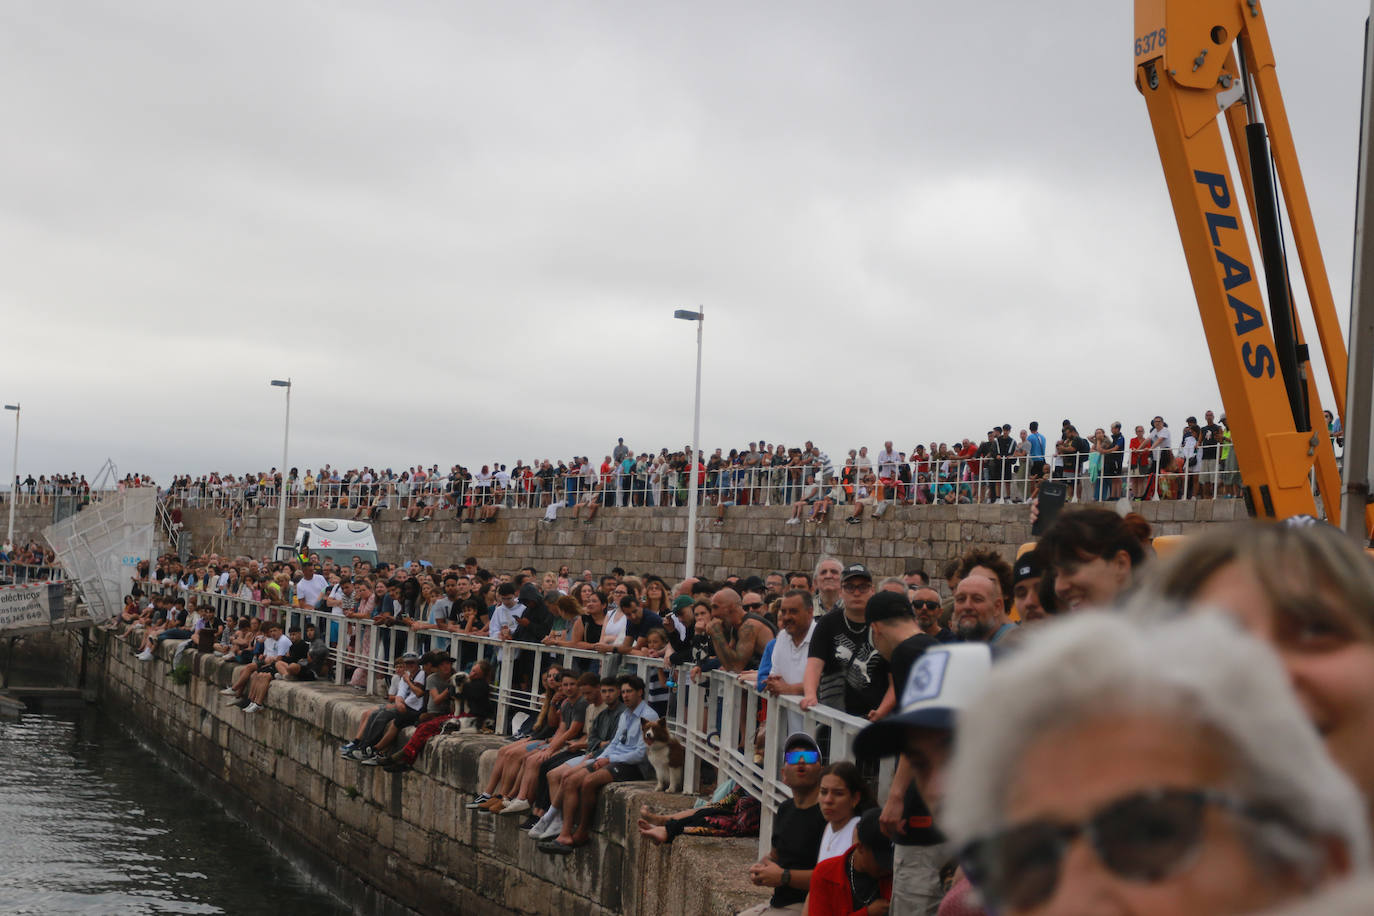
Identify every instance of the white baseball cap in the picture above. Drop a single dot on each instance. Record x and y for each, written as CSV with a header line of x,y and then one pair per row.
x,y
943,682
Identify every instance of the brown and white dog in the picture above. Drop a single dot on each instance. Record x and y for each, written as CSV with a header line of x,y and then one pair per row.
x,y
666,754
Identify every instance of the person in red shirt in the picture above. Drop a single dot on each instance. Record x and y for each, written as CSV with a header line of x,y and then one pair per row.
x,y
1140,462
859,882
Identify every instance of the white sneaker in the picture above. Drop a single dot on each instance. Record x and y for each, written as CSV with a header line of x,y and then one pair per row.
x,y
228,692
252,707
792,521
146,655
550,825
515,806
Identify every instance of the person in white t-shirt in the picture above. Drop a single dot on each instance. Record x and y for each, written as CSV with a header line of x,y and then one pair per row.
x,y
796,623
505,612
311,587
1159,438
274,646
887,471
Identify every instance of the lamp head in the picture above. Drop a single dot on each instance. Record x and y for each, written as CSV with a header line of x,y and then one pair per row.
x,y
278,383
687,315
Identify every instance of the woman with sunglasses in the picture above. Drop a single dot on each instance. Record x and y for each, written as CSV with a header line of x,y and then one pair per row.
x,y
1103,779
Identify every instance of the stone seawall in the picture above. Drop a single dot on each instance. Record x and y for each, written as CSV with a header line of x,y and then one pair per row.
x,y
654,540
404,843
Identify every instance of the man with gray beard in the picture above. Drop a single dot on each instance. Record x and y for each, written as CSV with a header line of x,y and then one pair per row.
x,y
980,613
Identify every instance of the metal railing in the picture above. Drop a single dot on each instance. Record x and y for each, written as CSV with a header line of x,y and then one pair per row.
x,y
45,493
952,480
717,717
20,573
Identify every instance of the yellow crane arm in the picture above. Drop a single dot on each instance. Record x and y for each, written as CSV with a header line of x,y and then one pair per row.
x,y
1196,60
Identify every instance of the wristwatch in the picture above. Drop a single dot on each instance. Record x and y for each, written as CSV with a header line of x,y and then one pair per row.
x,y
786,878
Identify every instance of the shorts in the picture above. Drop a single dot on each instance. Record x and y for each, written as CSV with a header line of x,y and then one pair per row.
x,y
531,746
1209,467
625,772
575,761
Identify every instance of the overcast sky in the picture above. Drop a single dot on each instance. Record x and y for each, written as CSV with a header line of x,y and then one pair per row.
x,y
462,228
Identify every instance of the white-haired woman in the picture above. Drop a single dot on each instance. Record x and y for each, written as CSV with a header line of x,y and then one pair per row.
x,y
1134,767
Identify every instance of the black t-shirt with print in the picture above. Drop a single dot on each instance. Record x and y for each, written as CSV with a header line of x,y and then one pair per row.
x,y
847,650
1211,441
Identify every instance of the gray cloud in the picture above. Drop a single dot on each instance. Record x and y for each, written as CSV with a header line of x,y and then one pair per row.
x,y
463,230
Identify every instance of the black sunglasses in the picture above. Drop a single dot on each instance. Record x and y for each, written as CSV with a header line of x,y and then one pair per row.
x,y
753,606
1144,837
928,604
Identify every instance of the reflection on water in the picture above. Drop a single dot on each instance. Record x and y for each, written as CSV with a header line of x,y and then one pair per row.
x,y
93,823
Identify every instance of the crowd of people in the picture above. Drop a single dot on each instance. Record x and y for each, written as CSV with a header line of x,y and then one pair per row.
x,y
1107,462
1204,742
28,557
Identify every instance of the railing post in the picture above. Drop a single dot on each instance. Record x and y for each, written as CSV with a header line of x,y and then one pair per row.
x,y
503,684
688,700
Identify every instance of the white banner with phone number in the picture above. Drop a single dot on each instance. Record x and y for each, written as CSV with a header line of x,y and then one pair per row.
x,y
25,606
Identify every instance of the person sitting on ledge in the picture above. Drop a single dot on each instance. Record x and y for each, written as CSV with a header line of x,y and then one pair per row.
x,y
625,758
404,700
734,814
442,687
521,785
559,686
291,665
858,880
556,769
797,830
274,647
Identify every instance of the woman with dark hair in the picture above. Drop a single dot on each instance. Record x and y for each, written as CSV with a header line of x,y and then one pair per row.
x,y
586,630
1095,554
843,798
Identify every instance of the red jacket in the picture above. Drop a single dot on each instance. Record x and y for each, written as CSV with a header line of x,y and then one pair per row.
x,y
831,894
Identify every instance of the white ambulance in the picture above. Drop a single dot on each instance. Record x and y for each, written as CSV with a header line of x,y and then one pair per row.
x,y
338,539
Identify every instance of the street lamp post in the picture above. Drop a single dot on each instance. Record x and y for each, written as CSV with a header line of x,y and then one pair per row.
x,y
14,475
699,317
285,439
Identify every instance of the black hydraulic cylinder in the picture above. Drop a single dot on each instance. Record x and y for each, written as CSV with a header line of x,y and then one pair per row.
x,y
1276,272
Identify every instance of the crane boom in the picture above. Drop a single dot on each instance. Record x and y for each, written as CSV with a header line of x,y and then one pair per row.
x,y
1196,60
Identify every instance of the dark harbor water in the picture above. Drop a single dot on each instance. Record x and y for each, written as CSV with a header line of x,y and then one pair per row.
x,y
92,822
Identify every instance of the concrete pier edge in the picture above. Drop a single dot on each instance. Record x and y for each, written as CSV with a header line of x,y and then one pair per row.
x,y
396,844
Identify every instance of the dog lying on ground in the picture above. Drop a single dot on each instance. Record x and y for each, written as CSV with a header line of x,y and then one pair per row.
x,y
666,754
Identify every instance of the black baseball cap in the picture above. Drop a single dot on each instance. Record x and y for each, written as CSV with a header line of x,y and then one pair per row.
x,y
888,605
856,571
1027,566
945,680
802,741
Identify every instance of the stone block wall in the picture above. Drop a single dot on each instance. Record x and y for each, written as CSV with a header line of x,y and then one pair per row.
x,y
404,843
754,538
